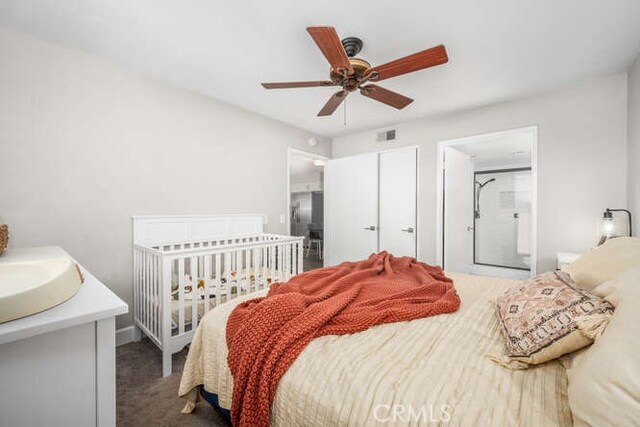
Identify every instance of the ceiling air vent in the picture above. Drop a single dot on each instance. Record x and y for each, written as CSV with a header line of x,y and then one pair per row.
x,y
388,135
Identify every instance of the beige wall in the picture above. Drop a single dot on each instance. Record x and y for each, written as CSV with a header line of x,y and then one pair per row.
x,y
633,139
581,158
85,144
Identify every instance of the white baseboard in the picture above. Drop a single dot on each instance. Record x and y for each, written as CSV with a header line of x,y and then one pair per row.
x,y
125,335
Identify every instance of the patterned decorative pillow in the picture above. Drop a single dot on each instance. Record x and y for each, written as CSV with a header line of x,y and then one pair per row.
x,y
546,317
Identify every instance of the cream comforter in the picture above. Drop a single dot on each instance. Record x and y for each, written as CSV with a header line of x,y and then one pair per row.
x,y
425,372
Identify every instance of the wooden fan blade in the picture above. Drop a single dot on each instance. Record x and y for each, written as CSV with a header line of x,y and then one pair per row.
x,y
329,43
291,85
385,96
418,61
333,103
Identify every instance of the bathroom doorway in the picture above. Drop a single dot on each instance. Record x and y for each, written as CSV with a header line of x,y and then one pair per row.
x,y
487,204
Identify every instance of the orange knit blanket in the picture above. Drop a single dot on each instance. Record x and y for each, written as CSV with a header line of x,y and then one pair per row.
x,y
265,335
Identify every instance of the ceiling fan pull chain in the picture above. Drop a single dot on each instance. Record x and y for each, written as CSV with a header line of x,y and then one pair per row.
x,y
344,120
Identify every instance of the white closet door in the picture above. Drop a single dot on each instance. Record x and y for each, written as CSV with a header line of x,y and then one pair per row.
x,y
398,181
350,208
458,211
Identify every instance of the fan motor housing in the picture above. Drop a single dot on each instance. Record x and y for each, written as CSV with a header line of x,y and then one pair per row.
x,y
360,67
352,46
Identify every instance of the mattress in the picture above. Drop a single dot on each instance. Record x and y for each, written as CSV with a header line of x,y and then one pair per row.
x,y
424,372
235,286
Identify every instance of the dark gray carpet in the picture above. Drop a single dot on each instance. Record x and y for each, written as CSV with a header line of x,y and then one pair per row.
x,y
144,398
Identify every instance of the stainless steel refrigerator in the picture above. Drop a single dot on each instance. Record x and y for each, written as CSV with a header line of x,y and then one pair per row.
x,y
306,209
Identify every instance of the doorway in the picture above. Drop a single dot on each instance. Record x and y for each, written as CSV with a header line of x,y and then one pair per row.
x,y
487,204
305,195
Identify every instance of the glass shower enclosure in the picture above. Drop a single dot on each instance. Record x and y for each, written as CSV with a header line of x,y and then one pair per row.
x,y
502,218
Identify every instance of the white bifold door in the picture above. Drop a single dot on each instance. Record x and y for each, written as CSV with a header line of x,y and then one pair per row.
x,y
350,208
370,205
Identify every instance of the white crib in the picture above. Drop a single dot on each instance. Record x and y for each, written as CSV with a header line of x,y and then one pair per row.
x,y
186,265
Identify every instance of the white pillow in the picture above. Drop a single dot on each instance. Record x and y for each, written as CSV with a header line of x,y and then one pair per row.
x,y
604,381
625,285
605,262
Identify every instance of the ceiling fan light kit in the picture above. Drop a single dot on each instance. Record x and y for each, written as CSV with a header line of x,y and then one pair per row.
x,y
351,73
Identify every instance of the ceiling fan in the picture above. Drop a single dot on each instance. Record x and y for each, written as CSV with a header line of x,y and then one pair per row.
x,y
353,73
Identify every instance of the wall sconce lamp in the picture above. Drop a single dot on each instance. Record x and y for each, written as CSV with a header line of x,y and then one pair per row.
x,y
609,227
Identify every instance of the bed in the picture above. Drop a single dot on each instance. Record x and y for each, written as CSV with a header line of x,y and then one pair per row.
x,y
428,371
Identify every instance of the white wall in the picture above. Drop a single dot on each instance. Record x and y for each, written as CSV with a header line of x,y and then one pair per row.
x,y
634,143
85,144
581,158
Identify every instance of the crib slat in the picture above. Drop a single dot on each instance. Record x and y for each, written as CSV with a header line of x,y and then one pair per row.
x,y
152,293
136,292
158,299
139,279
272,262
195,292
247,268
158,294
207,282
280,262
300,257
294,258
218,279
147,299
181,285
238,270
227,270
288,260
263,266
256,268
165,312
143,300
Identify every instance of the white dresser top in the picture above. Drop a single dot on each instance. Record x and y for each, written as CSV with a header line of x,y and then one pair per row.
x,y
93,301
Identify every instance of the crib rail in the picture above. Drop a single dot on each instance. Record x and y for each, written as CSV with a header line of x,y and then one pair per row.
x,y
175,284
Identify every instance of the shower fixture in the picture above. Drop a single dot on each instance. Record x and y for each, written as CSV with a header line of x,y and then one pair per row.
x,y
478,191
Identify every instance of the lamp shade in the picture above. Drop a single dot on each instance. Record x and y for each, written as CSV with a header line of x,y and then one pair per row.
x,y
611,226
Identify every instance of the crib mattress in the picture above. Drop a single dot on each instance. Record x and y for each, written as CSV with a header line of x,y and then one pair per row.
x,y
238,287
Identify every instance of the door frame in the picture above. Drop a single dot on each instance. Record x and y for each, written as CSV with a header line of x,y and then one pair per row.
x,y
290,152
441,145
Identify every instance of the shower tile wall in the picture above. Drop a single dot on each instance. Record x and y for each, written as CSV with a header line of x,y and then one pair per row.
x,y
503,231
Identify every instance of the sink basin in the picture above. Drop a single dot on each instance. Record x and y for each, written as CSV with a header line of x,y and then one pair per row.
x,y
34,280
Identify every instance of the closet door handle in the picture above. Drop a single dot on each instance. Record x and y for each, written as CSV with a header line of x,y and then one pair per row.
x,y
408,230
370,228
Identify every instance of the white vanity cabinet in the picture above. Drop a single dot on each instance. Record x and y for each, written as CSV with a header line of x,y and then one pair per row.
x,y
57,367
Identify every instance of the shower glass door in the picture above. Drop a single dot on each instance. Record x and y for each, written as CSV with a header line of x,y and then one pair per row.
x,y
502,218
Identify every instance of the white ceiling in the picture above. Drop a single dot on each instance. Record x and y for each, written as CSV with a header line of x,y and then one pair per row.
x,y
498,49
507,149
302,169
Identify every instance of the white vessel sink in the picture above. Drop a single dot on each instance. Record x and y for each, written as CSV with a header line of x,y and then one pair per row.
x,y
34,280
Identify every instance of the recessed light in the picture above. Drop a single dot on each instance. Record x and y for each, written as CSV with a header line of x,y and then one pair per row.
x,y
318,162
